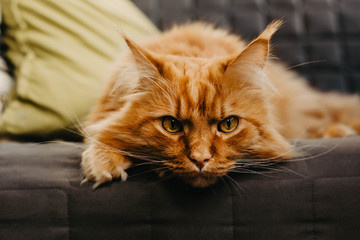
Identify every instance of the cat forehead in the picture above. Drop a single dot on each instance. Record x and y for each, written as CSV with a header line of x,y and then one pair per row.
x,y
193,79
186,67
197,86
193,73
197,95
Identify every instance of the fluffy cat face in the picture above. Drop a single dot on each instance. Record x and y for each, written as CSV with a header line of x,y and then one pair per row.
x,y
198,118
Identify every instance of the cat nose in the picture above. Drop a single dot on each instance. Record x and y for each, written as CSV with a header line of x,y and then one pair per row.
x,y
200,160
200,164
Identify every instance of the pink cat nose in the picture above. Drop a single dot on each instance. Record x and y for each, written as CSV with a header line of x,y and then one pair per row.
x,y
199,164
199,161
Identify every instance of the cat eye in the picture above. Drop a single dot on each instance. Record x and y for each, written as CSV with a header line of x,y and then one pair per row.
x,y
171,125
228,125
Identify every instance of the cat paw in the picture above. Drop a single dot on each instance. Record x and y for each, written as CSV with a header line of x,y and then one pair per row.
x,y
101,166
339,130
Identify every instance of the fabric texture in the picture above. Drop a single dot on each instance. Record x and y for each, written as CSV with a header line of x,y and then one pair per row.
x,y
314,198
62,51
320,38
6,82
6,85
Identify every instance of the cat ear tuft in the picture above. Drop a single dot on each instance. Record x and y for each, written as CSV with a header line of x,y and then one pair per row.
x,y
271,29
256,53
145,61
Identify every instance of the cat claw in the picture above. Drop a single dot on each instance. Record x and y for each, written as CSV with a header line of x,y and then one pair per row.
x,y
85,180
96,185
107,177
123,174
103,168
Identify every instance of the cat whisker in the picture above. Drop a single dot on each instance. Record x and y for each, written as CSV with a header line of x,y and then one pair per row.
x,y
247,170
269,160
77,123
104,146
257,161
151,170
263,164
317,155
235,184
272,57
107,148
167,175
151,163
258,166
60,142
265,160
292,171
67,143
306,63
111,149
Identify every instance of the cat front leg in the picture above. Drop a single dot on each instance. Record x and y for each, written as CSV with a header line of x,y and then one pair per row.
x,y
102,165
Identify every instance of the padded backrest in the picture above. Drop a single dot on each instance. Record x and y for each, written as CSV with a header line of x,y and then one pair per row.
x,y
324,32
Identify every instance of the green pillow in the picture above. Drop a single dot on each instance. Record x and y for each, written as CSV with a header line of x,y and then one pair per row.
x,y
62,52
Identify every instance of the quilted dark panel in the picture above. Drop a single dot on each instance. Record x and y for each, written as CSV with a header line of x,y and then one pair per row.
x,y
39,213
323,33
318,198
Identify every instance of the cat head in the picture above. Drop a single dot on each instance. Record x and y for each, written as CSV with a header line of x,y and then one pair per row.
x,y
200,118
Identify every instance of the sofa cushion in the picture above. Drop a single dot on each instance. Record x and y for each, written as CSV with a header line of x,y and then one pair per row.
x,y
320,39
62,51
313,197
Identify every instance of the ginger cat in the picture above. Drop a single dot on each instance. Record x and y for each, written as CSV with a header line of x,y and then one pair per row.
x,y
197,101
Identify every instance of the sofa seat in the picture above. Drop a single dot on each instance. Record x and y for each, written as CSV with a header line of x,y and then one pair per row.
x,y
314,197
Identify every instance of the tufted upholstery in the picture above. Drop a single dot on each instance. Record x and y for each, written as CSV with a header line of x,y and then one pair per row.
x,y
325,32
317,198
41,198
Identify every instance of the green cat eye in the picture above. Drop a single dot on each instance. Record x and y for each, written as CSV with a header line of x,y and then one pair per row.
x,y
172,125
228,125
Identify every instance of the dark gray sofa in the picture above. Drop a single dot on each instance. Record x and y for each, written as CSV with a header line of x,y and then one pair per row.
x,y
318,198
315,197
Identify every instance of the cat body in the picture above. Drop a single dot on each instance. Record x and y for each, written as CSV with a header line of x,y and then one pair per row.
x,y
197,102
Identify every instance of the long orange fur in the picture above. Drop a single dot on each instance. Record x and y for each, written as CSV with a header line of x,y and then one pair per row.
x,y
201,75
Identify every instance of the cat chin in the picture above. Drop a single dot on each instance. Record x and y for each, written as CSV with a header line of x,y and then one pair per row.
x,y
200,181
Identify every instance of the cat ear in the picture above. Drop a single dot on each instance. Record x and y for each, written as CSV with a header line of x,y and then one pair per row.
x,y
256,53
145,61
